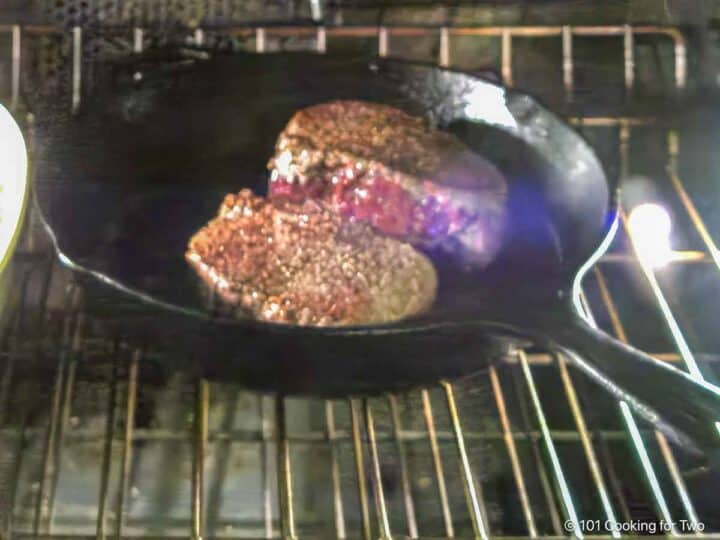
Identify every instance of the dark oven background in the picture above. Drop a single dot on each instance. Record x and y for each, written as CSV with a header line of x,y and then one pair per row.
x,y
96,439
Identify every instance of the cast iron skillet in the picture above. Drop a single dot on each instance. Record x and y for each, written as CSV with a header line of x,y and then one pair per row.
x,y
123,184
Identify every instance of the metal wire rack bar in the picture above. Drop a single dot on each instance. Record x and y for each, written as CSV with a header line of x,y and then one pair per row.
x,y
437,463
320,438
473,490
41,502
126,458
376,477
101,525
338,509
200,445
510,443
16,58
587,445
409,505
614,481
546,487
76,352
284,472
566,500
382,33
360,469
265,464
44,501
697,221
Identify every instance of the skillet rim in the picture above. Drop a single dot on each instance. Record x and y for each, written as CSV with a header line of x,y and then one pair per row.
x,y
406,326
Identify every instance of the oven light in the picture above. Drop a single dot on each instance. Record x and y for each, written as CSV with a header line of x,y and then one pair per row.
x,y
13,182
650,225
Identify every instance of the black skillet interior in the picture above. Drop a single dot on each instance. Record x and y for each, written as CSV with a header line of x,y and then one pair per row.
x,y
125,182
143,165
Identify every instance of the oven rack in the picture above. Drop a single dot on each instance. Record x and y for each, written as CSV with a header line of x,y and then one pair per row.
x,y
75,339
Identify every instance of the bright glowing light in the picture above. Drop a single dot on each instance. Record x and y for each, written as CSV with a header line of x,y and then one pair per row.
x,y
13,181
486,102
650,227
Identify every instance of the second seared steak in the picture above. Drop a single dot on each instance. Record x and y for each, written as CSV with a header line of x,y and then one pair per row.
x,y
304,264
380,165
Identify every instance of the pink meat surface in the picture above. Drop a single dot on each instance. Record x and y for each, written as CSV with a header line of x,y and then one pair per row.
x,y
379,165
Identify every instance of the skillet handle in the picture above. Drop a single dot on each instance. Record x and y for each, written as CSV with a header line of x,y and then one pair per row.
x,y
684,409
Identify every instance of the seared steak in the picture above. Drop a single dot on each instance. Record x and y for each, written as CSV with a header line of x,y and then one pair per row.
x,y
380,165
301,263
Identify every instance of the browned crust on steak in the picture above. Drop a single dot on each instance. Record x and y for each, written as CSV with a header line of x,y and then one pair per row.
x,y
374,132
341,152
303,264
